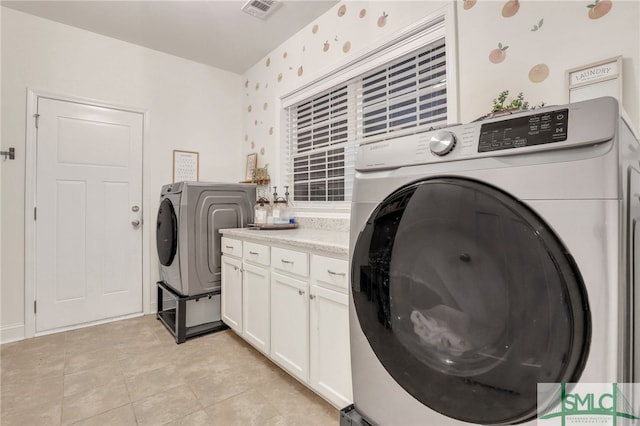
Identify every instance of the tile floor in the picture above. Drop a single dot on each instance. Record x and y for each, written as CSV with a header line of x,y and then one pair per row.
x,y
131,372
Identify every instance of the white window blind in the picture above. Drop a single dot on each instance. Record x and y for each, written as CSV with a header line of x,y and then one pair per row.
x,y
410,93
321,136
404,95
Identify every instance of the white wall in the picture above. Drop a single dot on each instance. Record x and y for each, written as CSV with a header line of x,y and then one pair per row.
x,y
567,39
190,106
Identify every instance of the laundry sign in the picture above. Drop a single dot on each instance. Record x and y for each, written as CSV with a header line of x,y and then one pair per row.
x,y
599,72
603,78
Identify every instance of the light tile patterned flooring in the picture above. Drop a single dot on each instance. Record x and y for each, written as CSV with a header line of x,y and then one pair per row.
x,y
132,372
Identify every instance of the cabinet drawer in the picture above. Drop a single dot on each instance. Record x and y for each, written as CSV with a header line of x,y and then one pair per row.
x,y
231,246
256,253
293,262
329,272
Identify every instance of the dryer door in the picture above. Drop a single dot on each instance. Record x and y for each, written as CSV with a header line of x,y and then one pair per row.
x,y
166,233
469,300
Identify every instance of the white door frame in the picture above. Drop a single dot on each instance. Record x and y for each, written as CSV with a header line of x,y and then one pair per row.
x,y
30,204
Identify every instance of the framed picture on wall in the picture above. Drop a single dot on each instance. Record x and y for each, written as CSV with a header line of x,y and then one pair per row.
x,y
186,165
602,78
252,163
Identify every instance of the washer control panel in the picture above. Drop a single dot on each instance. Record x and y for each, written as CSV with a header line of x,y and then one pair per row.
x,y
518,132
553,128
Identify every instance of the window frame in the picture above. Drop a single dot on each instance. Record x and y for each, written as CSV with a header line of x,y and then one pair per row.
x,y
439,24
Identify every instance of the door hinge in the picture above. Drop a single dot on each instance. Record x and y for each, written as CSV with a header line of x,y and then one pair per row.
x,y
36,116
35,307
35,213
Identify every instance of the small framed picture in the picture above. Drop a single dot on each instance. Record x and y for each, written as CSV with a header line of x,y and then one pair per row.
x,y
252,163
186,165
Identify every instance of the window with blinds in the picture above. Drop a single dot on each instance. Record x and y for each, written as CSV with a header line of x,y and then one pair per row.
x,y
406,95
319,134
410,93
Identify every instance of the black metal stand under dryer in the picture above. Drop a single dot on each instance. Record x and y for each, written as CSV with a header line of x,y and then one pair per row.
x,y
175,319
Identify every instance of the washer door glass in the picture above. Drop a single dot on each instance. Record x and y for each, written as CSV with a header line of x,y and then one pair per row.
x,y
469,300
166,233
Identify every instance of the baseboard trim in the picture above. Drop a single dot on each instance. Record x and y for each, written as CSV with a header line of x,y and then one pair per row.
x,y
11,333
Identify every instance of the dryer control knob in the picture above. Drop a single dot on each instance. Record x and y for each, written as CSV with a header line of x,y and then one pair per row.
x,y
442,142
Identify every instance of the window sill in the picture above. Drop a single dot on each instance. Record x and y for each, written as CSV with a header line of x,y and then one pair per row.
x,y
336,211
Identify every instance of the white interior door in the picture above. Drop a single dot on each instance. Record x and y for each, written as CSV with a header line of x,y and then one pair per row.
x,y
89,213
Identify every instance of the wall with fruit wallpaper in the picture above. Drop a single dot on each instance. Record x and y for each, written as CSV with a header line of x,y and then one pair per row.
x,y
516,45
527,46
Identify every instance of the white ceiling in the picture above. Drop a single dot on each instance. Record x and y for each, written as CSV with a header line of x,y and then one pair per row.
x,y
215,33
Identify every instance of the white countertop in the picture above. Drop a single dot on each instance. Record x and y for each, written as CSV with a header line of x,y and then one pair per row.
x,y
334,242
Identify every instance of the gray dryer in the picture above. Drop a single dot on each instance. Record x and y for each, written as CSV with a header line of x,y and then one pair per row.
x,y
187,238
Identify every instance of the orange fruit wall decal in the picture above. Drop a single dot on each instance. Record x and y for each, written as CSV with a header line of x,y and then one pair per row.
x,y
497,55
538,73
468,4
599,8
510,8
382,20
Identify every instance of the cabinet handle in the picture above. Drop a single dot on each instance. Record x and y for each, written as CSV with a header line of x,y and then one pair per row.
x,y
340,274
229,247
312,296
255,253
288,262
300,292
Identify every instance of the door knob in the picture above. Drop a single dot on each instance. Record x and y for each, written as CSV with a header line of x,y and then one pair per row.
x,y
135,209
135,223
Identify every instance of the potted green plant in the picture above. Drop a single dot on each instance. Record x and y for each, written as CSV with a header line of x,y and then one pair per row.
x,y
503,106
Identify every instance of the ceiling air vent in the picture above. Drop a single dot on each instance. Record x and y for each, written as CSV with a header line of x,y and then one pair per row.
x,y
260,8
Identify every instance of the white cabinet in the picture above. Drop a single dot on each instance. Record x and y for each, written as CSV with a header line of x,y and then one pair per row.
x,y
290,324
310,322
330,363
290,261
245,290
256,306
292,305
231,292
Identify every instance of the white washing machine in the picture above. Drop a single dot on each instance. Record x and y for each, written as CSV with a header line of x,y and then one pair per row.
x,y
187,238
489,257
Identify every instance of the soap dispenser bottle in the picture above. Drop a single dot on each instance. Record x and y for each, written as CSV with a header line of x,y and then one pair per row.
x,y
262,211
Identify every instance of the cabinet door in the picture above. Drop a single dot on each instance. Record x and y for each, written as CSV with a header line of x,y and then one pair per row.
x,y
330,370
256,318
231,293
290,325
